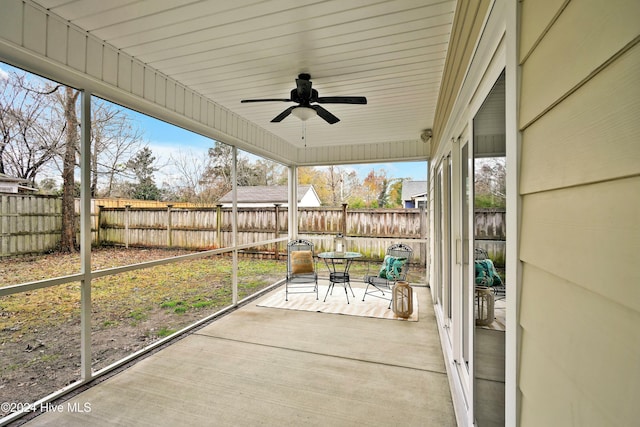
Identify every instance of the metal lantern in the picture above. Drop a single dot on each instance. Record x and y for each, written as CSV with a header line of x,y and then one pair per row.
x,y
484,306
402,299
338,244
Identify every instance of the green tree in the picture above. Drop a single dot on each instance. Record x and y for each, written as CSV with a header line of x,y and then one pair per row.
x,y
216,181
375,189
383,195
395,193
142,165
49,186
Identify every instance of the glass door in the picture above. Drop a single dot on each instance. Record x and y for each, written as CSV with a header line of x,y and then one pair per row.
x,y
448,238
438,244
466,281
489,143
442,245
463,318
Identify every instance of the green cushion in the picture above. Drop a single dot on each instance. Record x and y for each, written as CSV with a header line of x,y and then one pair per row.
x,y
486,274
392,267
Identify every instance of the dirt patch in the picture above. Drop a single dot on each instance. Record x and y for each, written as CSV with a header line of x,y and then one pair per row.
x,y
40,329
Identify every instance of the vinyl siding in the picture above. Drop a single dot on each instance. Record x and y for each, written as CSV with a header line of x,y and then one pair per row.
x,y
584,37
579,352
540,15
591,136
580,234
466,30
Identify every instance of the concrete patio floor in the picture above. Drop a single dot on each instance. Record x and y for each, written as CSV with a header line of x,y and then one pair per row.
x,y
275,367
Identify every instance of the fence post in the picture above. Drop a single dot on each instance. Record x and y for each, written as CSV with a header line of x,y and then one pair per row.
x,y
99,213
276,254
169,242
219,225
126,225
344,219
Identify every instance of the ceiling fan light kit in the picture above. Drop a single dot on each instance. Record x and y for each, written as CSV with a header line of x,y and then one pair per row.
x,y
304,96
304,113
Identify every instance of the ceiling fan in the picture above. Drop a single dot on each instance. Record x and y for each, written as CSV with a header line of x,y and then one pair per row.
x,y
304,95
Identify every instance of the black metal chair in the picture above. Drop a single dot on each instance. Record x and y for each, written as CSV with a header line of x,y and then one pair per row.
x,y
302,275
394,268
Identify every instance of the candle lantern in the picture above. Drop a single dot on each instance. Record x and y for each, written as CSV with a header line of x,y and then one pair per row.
x,y
338,244
484,306
402,299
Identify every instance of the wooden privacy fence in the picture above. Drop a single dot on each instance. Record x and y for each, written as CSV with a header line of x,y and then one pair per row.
x,y
491,233
368,231
32,224
29,223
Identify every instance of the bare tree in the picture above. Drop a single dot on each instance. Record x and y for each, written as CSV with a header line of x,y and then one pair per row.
x,y
30,134
33,134
39,131
269,172
490,182
114,141
334,182
341,184
190,177
68,100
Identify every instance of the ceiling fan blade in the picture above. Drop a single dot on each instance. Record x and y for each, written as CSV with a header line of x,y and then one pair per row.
x,y
266,100
327,116
342,100
282,115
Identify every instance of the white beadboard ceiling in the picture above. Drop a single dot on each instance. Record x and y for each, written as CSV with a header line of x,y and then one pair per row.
x,y
391,51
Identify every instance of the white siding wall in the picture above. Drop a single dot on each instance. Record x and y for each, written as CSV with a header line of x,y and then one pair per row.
x,y
309,200
580,238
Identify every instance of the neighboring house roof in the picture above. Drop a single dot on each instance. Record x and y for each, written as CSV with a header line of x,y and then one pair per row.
x,y
9,184
413,189
7,178
267,194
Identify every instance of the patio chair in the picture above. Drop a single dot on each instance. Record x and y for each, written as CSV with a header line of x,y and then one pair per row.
x,y
394,268
486,274
302,276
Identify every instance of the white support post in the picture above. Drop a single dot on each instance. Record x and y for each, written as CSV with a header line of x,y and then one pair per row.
x,y
293,202
85,236
514,215
234,226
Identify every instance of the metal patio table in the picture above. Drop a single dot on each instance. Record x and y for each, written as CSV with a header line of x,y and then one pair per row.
x,y
338,264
